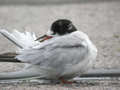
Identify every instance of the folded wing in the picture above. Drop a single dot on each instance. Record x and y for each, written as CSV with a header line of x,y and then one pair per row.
x,y
59,51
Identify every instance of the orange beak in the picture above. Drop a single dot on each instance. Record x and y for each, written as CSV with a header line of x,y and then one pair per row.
x,y
45,37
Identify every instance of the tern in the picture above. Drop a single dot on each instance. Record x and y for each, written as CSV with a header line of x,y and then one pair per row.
x,y
63,53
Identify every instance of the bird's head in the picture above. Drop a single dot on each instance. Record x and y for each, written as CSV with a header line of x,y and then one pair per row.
x,y
60,27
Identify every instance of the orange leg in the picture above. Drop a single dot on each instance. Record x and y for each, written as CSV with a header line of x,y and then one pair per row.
x,y
65,81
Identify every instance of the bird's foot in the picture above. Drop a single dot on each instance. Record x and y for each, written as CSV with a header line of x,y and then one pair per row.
x,y
63,81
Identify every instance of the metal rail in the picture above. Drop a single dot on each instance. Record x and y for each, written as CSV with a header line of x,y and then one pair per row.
x,y
9,57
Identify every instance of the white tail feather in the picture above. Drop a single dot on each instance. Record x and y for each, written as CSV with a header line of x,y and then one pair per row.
x,y
22,40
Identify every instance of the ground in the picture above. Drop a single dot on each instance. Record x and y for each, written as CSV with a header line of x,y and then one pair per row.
x,y
100,20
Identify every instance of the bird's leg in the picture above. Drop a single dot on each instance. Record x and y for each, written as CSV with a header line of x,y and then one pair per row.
x,y
63,81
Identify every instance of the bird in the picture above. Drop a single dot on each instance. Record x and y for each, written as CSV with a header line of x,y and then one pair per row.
x,y
63,53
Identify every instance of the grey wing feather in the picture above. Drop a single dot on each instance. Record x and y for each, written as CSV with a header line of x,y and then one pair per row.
x,y
56,52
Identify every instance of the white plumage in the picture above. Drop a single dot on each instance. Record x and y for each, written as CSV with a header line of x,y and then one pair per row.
x,y
22,40
65,56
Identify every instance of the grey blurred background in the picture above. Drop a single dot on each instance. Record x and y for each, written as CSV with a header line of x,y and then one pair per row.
x,y
48,2
100,19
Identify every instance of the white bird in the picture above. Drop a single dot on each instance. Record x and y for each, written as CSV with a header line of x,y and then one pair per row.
x,y
65,53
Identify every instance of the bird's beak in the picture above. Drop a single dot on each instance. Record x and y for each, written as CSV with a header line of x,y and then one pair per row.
x,y
43,38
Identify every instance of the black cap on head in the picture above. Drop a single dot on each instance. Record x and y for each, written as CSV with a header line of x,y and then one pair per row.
x,y
62,26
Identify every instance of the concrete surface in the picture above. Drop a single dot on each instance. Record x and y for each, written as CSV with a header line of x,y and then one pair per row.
x,y
101,21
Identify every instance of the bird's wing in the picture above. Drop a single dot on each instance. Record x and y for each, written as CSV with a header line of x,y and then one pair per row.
x,y
68,49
